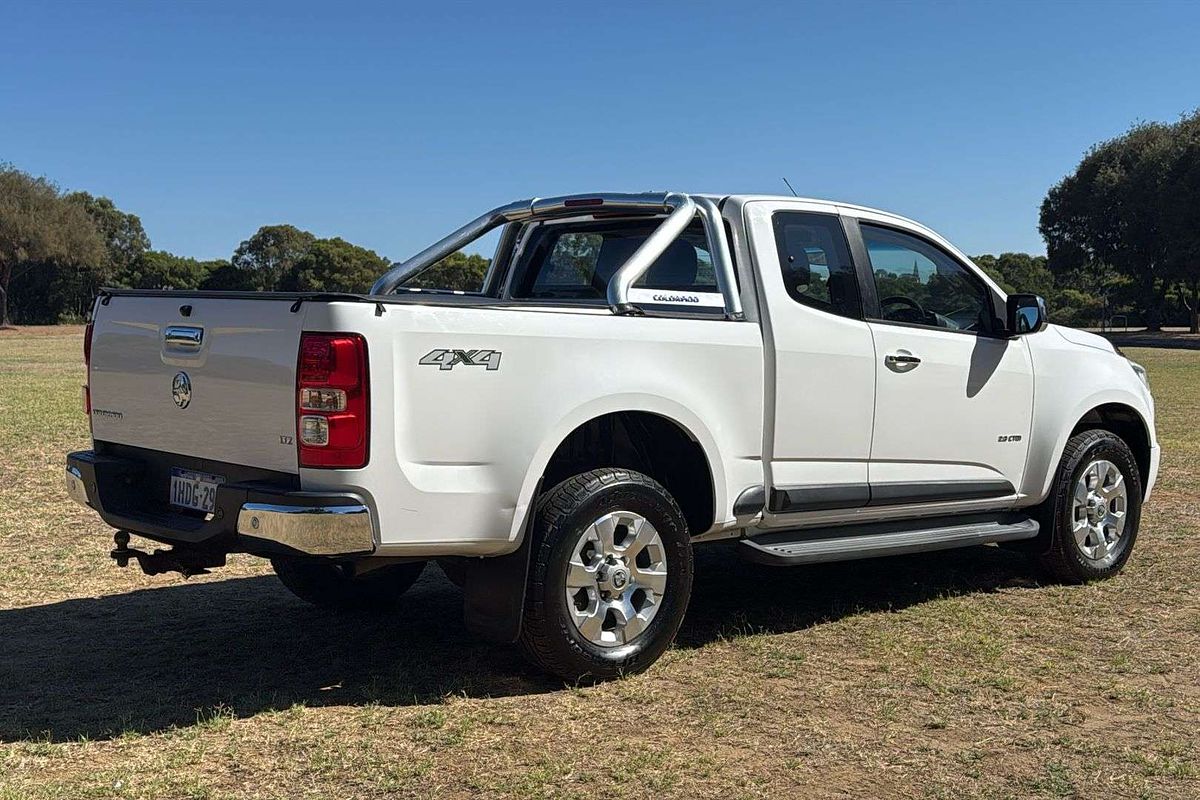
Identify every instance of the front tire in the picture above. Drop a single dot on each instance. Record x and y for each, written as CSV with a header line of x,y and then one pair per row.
x,y
1094,509
610,576
325,584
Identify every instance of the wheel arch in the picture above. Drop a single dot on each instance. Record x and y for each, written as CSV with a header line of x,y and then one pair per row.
x,y
1125,422
1114,411
622,431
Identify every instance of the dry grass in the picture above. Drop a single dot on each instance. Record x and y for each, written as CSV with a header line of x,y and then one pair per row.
x,y
950,675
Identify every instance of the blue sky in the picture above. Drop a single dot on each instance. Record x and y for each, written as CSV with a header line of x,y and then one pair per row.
x,y
390,124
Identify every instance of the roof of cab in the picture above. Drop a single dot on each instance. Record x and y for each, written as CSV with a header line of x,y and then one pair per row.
x,y
741,199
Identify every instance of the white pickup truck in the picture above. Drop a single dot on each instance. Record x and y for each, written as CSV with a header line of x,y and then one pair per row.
x,y
638,374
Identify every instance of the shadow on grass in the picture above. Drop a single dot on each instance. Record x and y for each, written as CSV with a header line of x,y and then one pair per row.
x,y
157,658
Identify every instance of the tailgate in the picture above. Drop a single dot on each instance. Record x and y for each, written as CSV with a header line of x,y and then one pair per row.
x,y
217,382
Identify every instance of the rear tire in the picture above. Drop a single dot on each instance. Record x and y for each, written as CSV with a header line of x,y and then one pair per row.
x,y
610,576
324,584
1094,509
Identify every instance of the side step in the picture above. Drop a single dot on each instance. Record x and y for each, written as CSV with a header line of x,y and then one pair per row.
x,y
873,540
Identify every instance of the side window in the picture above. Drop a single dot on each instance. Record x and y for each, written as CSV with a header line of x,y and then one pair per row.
x,y
815,259
919,284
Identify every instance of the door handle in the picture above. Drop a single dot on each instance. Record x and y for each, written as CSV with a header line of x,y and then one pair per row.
x,y
901,362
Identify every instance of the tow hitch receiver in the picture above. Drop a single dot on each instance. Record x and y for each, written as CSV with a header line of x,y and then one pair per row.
x,y
186,562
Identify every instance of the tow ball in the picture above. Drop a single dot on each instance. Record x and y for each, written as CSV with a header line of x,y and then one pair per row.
x,y
186,562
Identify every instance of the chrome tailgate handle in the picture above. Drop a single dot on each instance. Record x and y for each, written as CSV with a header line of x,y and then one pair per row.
x,y
183,336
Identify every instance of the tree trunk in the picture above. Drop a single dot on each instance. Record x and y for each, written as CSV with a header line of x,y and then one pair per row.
x,y
1156,302
1195,307
5,277
1147,300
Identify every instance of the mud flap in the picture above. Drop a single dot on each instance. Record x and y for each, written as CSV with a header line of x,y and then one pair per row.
x,y
494,599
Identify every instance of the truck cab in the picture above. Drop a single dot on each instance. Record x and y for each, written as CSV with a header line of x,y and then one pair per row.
x,y
636,375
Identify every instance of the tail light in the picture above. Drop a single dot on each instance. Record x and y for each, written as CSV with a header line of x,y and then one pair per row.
x,y
332,401
87,363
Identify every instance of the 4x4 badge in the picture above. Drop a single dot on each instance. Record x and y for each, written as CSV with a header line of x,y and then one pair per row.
x,y
447,359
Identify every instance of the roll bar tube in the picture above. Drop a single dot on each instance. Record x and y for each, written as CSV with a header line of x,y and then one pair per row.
x,y
456,241
714,226
681,210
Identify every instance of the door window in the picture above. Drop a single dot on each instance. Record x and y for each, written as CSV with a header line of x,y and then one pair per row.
x,y
816,264
919,284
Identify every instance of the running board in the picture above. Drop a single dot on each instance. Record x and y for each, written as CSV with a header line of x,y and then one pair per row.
x,y
813,546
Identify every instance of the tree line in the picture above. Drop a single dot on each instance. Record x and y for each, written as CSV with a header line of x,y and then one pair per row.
x,y
57,249
1122,235
1124,227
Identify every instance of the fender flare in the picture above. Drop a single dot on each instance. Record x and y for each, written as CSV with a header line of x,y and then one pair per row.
x,y
494,592
1046,467
664,407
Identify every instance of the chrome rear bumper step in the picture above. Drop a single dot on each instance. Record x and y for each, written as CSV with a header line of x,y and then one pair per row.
x,y
809,546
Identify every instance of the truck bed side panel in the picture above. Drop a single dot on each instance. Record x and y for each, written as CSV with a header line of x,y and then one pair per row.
x,y
456,452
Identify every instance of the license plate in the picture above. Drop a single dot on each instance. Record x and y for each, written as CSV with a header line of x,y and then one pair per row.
x,y
194,490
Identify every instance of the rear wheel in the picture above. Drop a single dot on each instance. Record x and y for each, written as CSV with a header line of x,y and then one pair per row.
x,y
610,577
1094,508
327,585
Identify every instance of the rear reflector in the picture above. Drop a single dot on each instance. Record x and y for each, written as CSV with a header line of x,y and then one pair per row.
x,y
332,388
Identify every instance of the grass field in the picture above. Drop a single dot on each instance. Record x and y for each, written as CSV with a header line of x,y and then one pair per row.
x,y
948,675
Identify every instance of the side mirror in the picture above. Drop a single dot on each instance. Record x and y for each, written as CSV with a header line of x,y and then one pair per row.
x,y
1026,314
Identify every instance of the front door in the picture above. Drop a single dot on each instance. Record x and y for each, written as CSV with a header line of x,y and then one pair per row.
x,y
953,401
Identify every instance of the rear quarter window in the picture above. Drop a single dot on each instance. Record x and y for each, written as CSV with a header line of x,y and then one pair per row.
x,y
814,258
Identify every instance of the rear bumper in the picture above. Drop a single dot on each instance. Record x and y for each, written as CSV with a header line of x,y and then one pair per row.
x,y
250,516
316,527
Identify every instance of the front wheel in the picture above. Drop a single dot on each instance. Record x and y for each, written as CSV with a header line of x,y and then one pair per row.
x,y
1093,510
610,577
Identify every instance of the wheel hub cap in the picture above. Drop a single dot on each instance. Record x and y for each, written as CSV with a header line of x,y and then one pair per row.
x,y
1099,507
616,578
612,579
